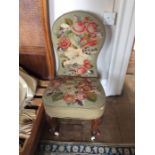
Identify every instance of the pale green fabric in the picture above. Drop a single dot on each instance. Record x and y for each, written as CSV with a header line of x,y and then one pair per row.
x,y
76,113
74,97
78,37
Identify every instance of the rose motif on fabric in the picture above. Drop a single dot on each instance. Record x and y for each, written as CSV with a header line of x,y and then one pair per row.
x,y
85,67
91,28
79,27
77,40
81,70
87,64
82,26
64,43
76,91
80,96
69,98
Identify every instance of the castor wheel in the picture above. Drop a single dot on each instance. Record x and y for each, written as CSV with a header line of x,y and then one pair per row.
x,y
92,138
56,133
94,134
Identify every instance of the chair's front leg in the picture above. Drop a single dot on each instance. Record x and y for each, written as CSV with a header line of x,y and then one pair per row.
x,y
54,125
95,128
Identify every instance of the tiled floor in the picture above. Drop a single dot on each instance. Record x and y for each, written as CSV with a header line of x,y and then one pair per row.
x,y
118,124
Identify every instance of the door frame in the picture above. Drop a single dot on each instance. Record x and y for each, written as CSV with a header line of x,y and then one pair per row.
x,y
122,41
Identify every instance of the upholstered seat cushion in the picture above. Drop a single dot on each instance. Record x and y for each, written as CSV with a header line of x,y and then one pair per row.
x,y
74,97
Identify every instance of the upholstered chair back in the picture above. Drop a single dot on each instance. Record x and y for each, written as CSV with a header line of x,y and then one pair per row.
x,y
78,37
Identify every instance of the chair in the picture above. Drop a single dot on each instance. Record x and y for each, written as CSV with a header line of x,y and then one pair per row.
x,y
76,92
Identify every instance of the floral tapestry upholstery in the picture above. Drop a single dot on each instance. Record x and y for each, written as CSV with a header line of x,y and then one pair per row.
x,y
78,37
75,97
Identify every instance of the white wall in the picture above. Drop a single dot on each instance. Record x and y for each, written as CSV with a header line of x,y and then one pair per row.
x,y
59,7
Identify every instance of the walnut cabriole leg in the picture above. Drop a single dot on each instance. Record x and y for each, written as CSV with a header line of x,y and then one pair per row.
x,y
95,128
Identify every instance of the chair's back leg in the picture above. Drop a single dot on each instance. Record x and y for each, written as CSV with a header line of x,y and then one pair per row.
x,y
57,127
54,125
50,123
